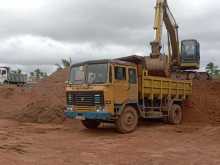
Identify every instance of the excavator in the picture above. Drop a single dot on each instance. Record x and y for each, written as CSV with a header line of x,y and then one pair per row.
x,y
183,60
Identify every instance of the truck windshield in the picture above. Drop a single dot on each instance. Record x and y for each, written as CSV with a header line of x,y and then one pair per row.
x,y
91,74
97,73
77,75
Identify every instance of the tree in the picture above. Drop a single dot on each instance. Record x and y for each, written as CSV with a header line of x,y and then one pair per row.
x,y
65,63
18,71
212,69
59,66
38,74
32,74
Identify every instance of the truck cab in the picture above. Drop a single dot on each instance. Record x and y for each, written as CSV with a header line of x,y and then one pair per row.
x,y
3,74
100,86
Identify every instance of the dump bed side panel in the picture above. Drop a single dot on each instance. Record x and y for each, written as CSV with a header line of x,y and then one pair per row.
x,y
17,78
164,87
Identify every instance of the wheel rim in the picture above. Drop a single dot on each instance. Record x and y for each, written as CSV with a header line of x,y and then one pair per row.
x,y
129,120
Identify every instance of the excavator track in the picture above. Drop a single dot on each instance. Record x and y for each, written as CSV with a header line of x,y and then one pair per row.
x,y
190,75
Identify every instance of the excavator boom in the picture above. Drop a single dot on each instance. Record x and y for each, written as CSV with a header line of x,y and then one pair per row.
x,y
164,15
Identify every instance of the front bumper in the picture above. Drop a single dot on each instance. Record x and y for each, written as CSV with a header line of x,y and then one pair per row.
x,y
88,115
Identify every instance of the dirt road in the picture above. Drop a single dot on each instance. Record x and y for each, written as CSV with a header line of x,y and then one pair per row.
x,y
70,143
196,142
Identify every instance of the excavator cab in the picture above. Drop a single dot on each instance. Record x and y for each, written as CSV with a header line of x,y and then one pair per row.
x,y
190,54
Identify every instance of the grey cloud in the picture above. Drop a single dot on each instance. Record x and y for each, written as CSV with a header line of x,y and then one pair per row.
x,y
79,21
99,29
33,50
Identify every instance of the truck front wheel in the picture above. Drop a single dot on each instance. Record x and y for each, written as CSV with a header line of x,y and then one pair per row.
x,y
175,115
91,124
127,121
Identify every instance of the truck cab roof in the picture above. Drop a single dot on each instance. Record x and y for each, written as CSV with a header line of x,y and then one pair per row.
x,y
118,61
4,67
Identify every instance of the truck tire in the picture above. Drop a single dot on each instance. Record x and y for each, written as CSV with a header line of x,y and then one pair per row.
x,y
127,121
5,82
175,115
91,124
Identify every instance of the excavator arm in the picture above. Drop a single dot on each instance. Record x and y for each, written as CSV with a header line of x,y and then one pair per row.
x,y
163,15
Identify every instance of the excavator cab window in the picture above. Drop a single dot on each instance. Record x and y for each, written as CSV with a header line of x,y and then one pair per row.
x,y
190,54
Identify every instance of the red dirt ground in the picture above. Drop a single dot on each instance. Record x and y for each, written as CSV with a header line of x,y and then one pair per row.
x,y
33,131
70,143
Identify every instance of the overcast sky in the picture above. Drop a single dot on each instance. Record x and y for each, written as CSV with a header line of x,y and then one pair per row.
x,y
38,33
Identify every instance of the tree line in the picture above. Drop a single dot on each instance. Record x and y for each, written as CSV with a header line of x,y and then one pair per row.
x,y
212,69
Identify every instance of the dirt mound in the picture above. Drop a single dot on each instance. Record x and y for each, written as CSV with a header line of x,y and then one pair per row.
x,y
40,112
205,103
44,102
13,99
48,101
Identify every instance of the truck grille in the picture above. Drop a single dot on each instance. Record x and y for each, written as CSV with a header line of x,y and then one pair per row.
x,y
85,108
85,98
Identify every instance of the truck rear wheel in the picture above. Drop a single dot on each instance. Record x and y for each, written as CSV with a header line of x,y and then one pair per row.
x,y
175,115
91,124
127,121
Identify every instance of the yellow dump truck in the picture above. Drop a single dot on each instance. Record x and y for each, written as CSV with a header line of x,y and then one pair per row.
x,y
120,91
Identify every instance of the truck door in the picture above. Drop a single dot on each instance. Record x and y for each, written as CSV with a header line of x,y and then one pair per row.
x,y
125,84
120,83
133,85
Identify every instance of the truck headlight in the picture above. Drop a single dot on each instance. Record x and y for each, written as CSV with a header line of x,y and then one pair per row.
x,y
70,108
100,109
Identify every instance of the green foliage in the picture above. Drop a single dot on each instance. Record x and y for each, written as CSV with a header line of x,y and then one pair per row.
x,y
18,71
38,74
212,69
65,63
32,74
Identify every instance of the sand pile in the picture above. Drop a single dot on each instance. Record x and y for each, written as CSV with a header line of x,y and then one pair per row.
x,y
13,99
40,111
42,103
48,100
205,103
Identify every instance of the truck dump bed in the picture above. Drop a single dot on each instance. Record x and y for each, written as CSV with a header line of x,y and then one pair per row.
x,y
157,87
17,78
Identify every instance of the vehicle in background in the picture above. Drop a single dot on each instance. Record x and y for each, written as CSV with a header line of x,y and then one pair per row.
x,y
9,77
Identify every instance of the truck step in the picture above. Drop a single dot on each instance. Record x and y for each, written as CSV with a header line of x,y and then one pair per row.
x,y
154,115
